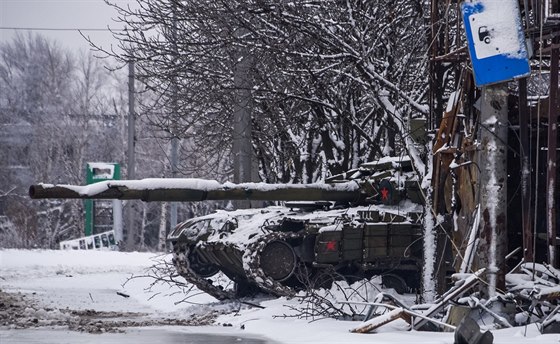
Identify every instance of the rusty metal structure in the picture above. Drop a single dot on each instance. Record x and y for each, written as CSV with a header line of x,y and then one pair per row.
x,y
531,220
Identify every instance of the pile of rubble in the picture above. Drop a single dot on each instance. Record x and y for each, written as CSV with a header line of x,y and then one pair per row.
x,y
532,296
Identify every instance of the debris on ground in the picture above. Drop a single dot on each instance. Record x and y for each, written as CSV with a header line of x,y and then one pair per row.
x,y
20,311
532,296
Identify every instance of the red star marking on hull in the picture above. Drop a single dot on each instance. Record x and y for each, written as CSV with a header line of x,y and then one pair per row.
x,y
331,246
385,194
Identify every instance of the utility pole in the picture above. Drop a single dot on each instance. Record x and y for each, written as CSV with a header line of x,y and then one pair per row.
x,y
174,174
130,237
494,64
242,127
493,183
175,109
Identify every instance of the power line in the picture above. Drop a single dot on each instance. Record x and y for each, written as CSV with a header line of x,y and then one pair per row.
x,y
54,29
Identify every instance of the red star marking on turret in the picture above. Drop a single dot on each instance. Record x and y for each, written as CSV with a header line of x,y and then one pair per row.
x,y
331,245
385,194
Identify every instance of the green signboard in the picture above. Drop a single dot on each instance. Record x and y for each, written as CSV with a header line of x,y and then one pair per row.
x,y
98,172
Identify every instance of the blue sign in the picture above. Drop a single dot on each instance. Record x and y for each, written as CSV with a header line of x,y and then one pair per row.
x,y
496,41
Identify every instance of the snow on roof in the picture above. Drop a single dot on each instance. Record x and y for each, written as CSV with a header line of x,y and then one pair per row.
x,y
395,161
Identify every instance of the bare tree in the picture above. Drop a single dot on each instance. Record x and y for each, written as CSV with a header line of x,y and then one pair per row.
x,y
334,83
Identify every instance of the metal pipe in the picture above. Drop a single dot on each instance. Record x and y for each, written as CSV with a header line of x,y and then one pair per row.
x,y
552,155
526,195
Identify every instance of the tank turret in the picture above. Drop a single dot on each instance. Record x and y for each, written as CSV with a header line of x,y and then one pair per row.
x,y
348,227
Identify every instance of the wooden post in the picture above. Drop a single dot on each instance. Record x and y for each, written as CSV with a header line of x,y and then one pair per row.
x,y
493,181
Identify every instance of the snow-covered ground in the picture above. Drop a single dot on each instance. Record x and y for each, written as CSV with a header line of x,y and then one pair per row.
x,y
44,294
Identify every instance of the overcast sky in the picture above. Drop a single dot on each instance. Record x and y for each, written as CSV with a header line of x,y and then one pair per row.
x,y
53,15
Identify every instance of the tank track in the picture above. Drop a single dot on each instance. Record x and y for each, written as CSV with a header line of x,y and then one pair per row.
x,y
251,264
180,260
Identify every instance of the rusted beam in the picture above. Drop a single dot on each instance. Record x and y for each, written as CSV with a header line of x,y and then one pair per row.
x,y
409,317
551,156
436,39
375,323
432,123
526,196
453,294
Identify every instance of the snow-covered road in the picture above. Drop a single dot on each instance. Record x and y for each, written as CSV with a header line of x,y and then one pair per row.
x,y
81,297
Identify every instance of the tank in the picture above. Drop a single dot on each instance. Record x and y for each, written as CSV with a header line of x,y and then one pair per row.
x,y
358,224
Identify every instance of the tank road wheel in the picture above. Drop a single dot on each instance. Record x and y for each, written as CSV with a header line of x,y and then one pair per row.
x,y
245,289
396,282
324,278
200,267
267,248
278,260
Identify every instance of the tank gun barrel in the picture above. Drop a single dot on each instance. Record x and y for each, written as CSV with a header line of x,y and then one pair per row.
x,y
192,190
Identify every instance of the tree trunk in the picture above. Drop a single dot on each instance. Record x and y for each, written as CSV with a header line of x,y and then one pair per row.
x,y
162,228
143,226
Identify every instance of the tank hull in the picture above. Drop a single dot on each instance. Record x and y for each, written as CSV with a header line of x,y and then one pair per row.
x,y
281,250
